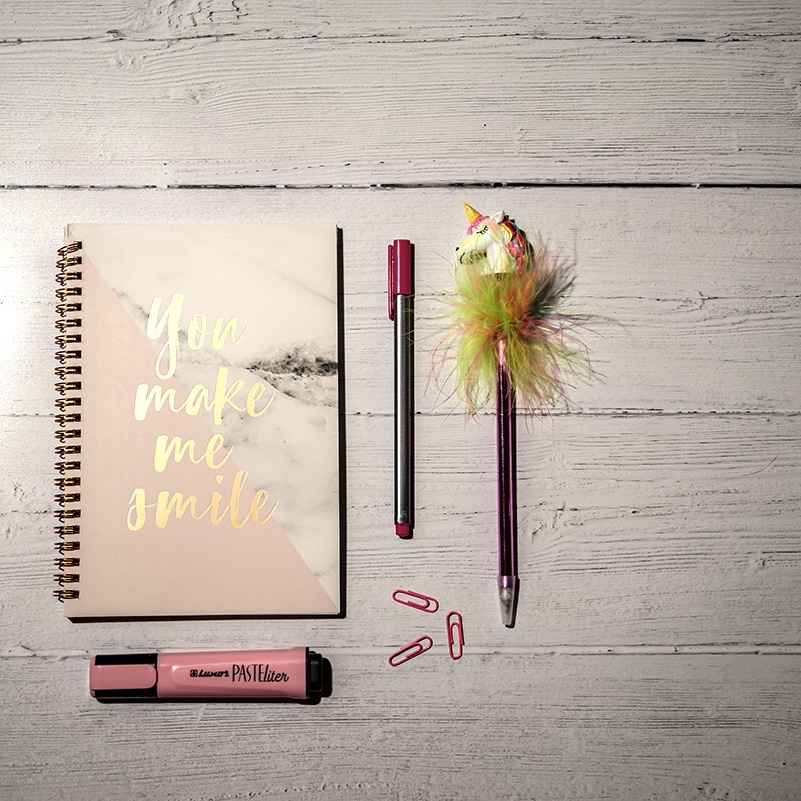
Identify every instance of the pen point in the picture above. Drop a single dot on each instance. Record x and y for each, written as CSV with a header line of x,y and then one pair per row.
x,y
507,596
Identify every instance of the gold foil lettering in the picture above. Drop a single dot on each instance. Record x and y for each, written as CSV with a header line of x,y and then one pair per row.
x,y
254,393
156,326
175,505
260,501
224,395
197,398
155,395
175,446
167,502
137,511
198,329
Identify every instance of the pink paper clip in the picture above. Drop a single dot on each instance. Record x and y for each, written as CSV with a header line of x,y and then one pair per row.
x,y
411,650
417,601
453,621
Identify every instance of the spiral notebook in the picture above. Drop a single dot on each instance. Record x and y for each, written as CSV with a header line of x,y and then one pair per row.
x,y
198,421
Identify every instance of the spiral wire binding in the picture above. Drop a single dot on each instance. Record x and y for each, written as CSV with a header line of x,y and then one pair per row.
x,y
68,451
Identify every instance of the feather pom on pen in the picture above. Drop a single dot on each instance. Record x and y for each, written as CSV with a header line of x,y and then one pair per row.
x,y
512,343
521,307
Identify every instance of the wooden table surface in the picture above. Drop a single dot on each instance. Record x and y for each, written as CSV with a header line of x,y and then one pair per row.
x,y
657,651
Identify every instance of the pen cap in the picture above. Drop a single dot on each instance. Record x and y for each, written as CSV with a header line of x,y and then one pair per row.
x,y
399,272
314,673
123,676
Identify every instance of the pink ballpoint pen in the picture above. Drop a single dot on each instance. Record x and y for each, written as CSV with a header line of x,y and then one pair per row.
x,y
485,244
400,298
513,338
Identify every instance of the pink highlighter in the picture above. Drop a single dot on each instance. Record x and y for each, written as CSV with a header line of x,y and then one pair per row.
x,y
295,673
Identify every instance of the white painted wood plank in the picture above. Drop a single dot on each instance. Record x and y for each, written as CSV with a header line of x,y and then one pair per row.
x,y
633,531
499,726
689,289
673,356
366,111
40,20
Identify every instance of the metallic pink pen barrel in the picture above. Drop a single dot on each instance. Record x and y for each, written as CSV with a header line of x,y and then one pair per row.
x,y
291,673
400,295
506,445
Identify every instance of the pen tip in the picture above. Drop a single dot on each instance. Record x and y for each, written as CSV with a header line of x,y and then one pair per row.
x,y
506,595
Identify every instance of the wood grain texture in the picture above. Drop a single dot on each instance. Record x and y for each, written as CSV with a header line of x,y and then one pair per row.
x,y
686,289
656,653
497,726
633,532
208,93
416,20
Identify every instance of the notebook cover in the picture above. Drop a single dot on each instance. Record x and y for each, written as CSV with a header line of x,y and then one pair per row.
x,y
232,331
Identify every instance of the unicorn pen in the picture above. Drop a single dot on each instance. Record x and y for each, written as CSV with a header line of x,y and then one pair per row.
x,y
512,342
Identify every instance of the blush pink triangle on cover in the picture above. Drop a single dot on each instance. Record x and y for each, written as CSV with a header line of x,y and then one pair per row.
x,y
190,567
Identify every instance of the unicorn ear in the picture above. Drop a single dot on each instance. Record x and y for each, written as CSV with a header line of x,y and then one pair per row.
x,y
499,216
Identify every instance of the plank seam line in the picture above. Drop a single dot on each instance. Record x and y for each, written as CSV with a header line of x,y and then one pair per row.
x,y
478,185
544,651
379,39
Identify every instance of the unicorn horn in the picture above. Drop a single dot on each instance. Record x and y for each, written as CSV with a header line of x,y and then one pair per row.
x,y
472,214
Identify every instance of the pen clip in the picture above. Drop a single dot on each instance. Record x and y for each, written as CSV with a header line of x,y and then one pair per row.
x,y
410,650
417,601
453,621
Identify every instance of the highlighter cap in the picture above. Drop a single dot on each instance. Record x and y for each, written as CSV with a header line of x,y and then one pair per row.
x,y
123,676
314,673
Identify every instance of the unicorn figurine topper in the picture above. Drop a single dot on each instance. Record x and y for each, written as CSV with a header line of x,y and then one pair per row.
x,y
495,242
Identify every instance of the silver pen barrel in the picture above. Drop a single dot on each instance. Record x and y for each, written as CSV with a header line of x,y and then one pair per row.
x,y
404,411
